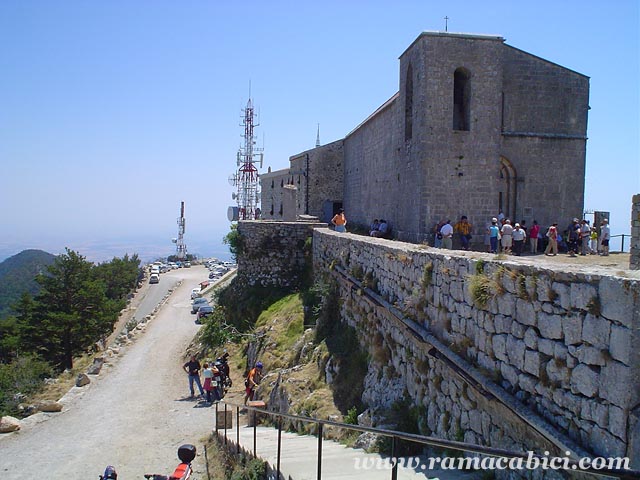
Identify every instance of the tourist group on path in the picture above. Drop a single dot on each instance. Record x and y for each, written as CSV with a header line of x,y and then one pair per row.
x,y
501,236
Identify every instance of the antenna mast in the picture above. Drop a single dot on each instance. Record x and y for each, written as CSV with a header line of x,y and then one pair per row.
x,y
181,248
246,179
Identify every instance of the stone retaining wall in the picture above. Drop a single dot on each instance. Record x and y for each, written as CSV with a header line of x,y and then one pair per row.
x,y
634,261
273,253
522,357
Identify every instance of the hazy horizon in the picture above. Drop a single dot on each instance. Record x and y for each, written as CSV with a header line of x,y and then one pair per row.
x,y
148,247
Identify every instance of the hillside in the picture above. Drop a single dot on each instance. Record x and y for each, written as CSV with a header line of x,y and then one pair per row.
x,y
17,276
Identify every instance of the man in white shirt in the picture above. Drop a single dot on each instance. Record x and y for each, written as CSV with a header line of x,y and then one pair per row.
x,y
447,235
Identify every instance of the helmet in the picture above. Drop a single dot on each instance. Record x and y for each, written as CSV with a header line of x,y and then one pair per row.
x,y
259,365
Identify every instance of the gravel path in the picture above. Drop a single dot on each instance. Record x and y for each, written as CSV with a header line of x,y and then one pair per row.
x,y
134,415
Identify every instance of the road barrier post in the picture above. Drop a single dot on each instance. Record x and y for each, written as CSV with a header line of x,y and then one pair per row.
x,y
319,450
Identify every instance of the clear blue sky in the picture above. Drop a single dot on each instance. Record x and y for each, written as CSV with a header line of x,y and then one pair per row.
x,y
113,112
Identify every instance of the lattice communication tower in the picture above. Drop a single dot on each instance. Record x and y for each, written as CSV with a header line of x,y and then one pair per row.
x,y
181,248
246,178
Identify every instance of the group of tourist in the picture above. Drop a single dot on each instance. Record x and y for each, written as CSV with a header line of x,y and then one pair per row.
x,y
378,228
580,238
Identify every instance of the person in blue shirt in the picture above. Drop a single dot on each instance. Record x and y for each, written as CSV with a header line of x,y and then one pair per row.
x,y
494,233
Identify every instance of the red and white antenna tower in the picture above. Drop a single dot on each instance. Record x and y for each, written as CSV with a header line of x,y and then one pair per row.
x,y
246,179
181,248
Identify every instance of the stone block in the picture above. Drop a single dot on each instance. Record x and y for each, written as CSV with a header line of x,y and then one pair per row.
x,y
617,422
542,289
550,326
515,351
525,313
619,299
605,444
546,346
527,382
563,292
572,329
509,373
618,385
620,344
475,421
506,305
499,343
588,355
517,330
596,331
531,339
557,372
532,361
582,294
503,324
585,381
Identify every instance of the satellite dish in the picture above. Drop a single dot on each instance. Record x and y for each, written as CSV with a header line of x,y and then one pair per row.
x,y
233,214
233,179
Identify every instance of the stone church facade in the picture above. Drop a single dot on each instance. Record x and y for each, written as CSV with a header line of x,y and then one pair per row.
x,y
477,127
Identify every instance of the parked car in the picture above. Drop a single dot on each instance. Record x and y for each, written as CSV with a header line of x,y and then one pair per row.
x,y
203,312
195,292
154,278
187,264
197,303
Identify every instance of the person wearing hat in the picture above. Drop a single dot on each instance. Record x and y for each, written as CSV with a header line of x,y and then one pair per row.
x,y
519,236
507,236
605,236
494,235
252,381
552,235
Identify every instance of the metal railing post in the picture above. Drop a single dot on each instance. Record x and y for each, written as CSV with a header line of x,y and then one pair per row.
x,y
622,248
254,434
237,429
394,459
279,445
225,423
319,450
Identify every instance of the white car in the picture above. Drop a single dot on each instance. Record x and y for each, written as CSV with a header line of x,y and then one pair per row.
x,y
154,278
195,292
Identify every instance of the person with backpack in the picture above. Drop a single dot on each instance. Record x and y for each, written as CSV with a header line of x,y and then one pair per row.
x,y
252,381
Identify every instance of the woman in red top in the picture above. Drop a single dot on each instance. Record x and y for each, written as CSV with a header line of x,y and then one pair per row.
x,y
533,236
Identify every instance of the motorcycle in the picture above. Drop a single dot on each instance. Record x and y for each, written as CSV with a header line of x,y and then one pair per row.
x,y
186,454
223,378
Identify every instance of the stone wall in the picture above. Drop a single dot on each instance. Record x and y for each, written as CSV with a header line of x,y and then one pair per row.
x,y
317,175
498,353
634,261
273,254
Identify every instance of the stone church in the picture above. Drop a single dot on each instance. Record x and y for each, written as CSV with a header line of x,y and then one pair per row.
x,y
477,127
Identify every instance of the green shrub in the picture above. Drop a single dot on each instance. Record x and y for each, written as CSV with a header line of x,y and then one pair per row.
x,y
24,375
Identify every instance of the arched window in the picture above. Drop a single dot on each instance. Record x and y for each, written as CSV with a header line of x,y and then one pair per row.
x,y
408,104
461,99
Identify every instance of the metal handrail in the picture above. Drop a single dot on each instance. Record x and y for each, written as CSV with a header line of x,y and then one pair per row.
x,y
396,435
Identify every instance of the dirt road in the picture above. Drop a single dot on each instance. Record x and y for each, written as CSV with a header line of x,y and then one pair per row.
x,y
134,415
